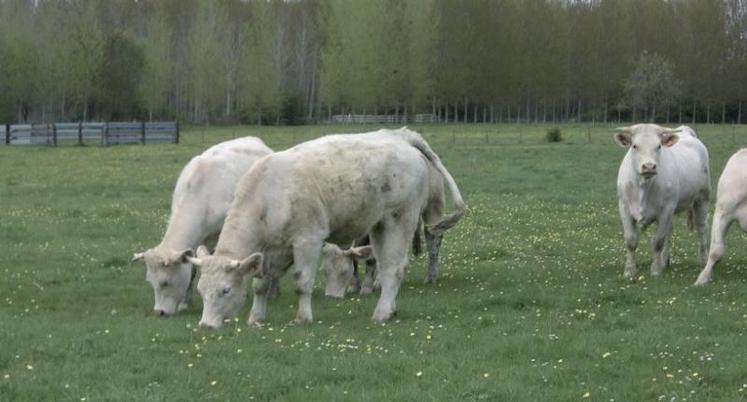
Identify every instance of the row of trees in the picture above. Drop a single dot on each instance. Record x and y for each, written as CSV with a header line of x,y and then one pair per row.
x,y
274,61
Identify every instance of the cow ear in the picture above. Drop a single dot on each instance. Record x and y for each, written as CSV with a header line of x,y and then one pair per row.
x,y
181,256
202,252
362,253
624,137
250,265
137,257
669,137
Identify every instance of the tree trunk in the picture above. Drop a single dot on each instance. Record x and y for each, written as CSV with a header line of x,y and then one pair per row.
x,y
708,113
694,111
739,113
723,112
578,112
652,118
680,112
474,114
466,108
668,114
606,108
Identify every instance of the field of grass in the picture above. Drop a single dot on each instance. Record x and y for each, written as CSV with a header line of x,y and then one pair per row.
x,y
531,304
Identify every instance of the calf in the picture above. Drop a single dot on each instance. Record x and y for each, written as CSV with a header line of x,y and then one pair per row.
x,y
664,172
731,205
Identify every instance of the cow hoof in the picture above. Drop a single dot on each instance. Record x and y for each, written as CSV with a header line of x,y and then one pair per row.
x,y
182,306
383,315
300,321
255,321
702,281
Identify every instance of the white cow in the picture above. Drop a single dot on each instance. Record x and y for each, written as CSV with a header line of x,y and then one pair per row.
x,y
335,188
731,205
664,172
201,199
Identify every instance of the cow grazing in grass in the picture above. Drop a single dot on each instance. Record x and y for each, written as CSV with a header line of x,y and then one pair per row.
x,y
664,172
731,205
201,199
340,266
336,188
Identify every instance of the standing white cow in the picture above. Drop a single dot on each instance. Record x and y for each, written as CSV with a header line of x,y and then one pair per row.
x,y
201,199
664,172
335,188
731,205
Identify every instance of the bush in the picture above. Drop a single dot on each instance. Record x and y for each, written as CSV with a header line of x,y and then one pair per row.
x,y
554,135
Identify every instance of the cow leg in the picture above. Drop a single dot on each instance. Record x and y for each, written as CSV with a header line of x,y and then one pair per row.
x,y
369,278
305,256
701,224
658,242
665,252
184,304
721,223
631,232
434,246
260,286
273,291
355,282
390,244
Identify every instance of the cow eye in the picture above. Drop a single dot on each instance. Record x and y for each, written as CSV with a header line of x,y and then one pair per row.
x,y
225,291
658,148
635,146
163,284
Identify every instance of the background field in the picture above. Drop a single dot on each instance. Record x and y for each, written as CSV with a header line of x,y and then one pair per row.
x,y
531,304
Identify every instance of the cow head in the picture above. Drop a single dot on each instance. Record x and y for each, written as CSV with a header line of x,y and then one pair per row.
x,y
645,142
169,273
223,285
338,267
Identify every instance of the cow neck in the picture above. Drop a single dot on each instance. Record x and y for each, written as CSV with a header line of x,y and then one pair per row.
x,y
241,235
185,230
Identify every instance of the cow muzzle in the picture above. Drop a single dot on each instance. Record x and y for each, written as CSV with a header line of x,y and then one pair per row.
x,y
648,170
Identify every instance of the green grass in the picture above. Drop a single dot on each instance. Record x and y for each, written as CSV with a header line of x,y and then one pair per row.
x,y
531,304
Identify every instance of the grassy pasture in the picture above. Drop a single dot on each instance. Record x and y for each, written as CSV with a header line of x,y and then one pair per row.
x,y
531,304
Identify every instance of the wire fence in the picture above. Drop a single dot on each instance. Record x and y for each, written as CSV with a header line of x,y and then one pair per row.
x,y
89,133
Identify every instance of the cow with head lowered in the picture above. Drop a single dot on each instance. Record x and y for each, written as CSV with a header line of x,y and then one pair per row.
x,y
664,172
336,188
203,194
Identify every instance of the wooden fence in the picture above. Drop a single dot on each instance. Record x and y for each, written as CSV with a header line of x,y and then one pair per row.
x,y
383,118
108,133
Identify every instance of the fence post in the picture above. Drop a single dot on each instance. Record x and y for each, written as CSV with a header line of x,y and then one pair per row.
x,y
7,134
54,134
177,132
105,134
142,132
80,133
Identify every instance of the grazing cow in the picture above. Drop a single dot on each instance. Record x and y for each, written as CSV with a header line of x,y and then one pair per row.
x,y
201,199
341,266
664,172
731,205
335,188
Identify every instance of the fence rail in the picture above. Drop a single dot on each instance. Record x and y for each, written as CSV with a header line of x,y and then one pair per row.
x,y
107,133
383,118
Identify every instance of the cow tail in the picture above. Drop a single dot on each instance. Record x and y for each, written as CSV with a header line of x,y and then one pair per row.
x,y
460,207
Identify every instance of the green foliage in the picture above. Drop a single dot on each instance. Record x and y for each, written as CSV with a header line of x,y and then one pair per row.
x,y
554,135
121,73
652,85
530,305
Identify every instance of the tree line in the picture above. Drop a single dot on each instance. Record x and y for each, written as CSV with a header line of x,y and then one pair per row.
x,y
291,62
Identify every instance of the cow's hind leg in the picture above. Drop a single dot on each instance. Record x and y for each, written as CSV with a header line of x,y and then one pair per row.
x,y
306,253
658,242
433,243
700,220
390,243
369,278
721,223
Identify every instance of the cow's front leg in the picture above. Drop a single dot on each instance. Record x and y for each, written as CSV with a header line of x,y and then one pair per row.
x,y
305,256
658,243
187,301
260,286
631,232
390,249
